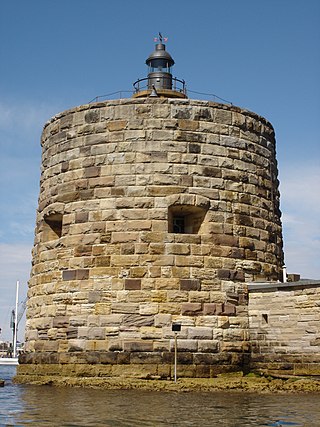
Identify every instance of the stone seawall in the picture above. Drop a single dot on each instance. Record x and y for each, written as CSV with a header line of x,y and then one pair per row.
x,y
151,211
284,320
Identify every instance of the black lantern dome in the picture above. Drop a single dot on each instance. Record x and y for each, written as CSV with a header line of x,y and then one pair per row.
x,y
160,63
160,58
160,81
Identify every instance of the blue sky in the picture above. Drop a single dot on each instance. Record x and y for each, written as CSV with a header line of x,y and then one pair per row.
x,y
263,55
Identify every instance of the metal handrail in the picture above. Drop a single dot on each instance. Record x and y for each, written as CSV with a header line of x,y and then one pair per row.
x,y
212,95
107,95
175,87
145,87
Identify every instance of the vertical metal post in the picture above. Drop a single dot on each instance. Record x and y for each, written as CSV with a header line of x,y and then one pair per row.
x,y
175,356
15,330
284,274
176,327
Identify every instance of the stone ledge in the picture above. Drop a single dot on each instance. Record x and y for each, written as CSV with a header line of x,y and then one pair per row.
x,y
229,382
272,286
286,369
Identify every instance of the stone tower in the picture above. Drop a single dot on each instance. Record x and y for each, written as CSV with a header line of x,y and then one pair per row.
x,y
152,210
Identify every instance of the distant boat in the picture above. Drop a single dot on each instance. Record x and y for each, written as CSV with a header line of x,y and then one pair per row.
x,y
14,324
9,361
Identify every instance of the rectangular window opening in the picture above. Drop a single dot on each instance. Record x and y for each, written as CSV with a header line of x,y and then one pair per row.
x,y
185,219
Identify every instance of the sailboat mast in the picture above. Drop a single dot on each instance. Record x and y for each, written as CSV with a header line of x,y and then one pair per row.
x,y
16,322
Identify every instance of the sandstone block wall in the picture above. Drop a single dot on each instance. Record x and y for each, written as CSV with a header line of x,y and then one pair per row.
x,y
151,211
284,324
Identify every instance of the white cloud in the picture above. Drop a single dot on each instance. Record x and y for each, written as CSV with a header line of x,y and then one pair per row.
x,y
290,220
300,204
13,256
300,186
19,229
24,116
18,213
20,127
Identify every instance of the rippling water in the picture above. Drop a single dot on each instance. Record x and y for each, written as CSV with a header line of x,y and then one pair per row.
x,y
22,405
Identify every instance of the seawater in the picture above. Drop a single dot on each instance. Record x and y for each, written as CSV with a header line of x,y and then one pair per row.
x,y
27,405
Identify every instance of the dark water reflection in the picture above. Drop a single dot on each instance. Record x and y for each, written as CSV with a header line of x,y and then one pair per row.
x,y
50,406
